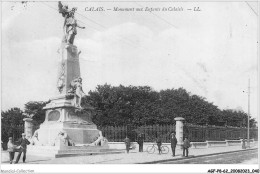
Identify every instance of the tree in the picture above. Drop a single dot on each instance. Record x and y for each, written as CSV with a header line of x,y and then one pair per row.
x,y
234,118
11,121
252,122
123,105
141,105
34,109
195,109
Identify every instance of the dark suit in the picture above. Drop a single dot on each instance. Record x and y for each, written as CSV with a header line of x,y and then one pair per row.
x,y
186,145
23,143
159,144
127,144
243,144
173,144
140,141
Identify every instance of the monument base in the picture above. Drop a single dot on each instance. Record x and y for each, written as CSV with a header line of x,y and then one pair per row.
x,y
55,152
50,133
64,121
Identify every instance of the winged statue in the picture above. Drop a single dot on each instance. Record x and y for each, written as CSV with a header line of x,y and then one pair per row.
x,y
70,23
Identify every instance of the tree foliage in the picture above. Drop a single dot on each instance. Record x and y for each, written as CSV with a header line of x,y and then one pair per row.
x,y
136,105
34,109
10,120
141,105
238,118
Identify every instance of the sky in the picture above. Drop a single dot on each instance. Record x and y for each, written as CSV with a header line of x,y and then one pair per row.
x,y
211,53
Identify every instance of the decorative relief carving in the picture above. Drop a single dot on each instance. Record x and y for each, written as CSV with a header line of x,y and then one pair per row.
x,y
64,139
77,118
54,115
61,80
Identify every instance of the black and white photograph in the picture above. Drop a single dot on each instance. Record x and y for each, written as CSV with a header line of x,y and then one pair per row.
x,y
129,86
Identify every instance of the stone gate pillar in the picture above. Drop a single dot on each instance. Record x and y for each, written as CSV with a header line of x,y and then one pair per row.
x,y
28,127
179,129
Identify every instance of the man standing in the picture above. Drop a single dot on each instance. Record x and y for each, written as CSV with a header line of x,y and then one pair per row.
x,y
127,144
186,145
23,142
159,144
173,143
11,149
243,143
140,141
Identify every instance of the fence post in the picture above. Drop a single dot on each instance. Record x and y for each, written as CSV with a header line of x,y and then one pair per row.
x,y
179,129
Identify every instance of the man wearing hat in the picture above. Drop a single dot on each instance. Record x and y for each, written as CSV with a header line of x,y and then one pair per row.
x,y
127,144
23,142
173,142
140,141
186,145
11,149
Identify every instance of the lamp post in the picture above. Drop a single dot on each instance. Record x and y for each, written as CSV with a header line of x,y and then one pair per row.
x,y
248,114
248,123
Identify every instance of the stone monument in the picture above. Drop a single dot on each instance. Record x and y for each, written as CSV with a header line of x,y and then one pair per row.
x,y
68,125
64,112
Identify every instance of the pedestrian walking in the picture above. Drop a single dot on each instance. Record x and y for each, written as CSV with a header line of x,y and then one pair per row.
x,y
159,144
11,149
140,141
23,142
127,144
186,145
173,143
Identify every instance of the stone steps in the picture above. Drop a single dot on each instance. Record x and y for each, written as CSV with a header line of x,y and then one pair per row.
x,y
85,151
70,154
52,151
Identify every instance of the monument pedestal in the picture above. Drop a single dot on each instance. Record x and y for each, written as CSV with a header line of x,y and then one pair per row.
x,y
64,117
78,134
68,131
68,128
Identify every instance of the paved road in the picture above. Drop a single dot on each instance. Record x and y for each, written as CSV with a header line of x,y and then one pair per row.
x,y
230,158
248,157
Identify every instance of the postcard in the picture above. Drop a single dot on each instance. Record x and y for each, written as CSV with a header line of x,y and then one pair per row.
x,y
129,86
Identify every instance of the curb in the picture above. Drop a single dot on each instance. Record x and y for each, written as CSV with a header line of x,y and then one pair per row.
x,y
178,159
86,154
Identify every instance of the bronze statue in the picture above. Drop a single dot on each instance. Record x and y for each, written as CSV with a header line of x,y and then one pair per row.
x,y
70,23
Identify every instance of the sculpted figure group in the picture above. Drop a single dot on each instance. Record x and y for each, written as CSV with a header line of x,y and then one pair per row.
x,y
70,23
